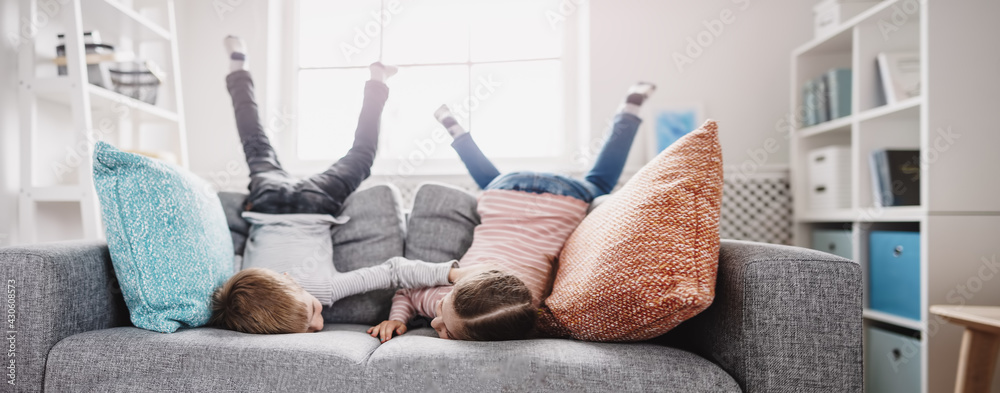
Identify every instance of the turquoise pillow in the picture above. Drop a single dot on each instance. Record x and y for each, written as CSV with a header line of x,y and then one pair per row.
x,y
169,241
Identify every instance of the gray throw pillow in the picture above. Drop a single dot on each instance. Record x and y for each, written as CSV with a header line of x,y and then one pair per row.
x,y
441,224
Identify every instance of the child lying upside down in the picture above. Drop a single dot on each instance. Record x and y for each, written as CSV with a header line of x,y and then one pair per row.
x,y
526,218
269,300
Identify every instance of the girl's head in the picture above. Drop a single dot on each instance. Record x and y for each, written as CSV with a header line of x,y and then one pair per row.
x,y
489,306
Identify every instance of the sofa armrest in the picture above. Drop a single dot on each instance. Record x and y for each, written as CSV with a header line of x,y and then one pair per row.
x,y
784,319
55,290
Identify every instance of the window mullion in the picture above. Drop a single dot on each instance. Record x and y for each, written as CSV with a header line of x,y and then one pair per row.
x,y
468,67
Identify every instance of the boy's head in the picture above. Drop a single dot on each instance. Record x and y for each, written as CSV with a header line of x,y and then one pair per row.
x,y
489,306
261,301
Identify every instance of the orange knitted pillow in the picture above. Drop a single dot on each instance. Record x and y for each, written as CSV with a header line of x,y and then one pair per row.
x,y
646,259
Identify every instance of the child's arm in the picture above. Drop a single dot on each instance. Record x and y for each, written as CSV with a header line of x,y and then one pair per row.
x,y
401,312
397,272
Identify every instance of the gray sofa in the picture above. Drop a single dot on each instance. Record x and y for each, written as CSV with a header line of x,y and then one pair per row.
x,y
785,319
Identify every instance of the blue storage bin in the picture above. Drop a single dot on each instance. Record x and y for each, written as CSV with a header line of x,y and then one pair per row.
x,y
894,273
834,241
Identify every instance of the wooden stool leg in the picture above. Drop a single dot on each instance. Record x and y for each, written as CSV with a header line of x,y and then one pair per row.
x,y
976,362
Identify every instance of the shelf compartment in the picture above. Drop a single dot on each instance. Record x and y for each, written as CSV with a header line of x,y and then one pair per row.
x,y
840,39
55,89
835,42
837,215
892,214
102,98
842,124
56,193
891,319
114,19
906,214
907,108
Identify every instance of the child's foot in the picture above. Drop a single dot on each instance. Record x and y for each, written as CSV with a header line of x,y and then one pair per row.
x,y
444,116
237,50
637,95
381,72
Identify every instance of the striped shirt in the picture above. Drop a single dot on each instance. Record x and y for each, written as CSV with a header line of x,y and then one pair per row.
x,y
520,233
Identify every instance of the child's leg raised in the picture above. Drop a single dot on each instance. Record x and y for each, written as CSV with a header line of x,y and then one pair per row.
x,y
481,168
260,156
345,175
611,160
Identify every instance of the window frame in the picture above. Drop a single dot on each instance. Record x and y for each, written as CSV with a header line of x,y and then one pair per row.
x,y
284,71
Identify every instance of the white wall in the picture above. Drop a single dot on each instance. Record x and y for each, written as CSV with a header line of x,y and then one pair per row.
x,y
213,144
9,141
741,78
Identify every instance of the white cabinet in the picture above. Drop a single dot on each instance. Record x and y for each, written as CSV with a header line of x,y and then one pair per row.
x,y
952,123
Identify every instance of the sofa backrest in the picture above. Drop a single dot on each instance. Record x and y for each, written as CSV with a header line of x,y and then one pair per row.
x,y
439,229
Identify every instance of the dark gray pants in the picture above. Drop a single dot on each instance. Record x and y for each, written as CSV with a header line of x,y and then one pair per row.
x,y
272,190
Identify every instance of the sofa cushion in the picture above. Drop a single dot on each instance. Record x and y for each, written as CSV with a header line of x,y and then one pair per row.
x,y
646,259
441,223
232,205
422,362
167,236
209,360
344,358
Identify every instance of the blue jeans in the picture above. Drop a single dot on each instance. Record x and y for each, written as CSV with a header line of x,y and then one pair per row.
x,y
600,180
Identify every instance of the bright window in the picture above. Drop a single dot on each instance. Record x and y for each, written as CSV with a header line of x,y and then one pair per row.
x,y
498,64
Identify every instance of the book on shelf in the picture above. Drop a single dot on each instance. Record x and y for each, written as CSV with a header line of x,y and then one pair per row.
x,y
838,82
822,100
900,73
895,177
809,104
827,97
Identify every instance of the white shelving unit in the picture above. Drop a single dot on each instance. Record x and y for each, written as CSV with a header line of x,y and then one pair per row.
x,y
951,123
61,116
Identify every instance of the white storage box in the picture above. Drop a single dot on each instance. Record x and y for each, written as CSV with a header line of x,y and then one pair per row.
x,y
829,14
829,178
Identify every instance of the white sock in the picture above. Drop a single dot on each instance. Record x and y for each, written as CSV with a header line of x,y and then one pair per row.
x,y
444,116
237,53
637,95
381,72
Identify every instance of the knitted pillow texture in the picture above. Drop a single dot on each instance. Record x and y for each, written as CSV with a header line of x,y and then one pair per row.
x,y
646,259
167,235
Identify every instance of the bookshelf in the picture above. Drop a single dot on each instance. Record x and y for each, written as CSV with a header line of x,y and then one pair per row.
x,y
958,219
62,115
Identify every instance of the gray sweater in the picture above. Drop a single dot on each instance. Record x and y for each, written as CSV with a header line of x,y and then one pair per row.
x,y
397,272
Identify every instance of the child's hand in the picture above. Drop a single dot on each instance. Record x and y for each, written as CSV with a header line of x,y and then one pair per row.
x,y
386,329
